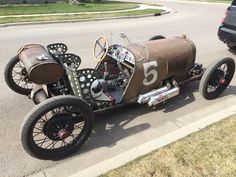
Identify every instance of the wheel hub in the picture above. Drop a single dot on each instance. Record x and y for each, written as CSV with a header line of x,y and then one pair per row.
x,y
63,134
59,127
24,75
217,78
24,72
222,81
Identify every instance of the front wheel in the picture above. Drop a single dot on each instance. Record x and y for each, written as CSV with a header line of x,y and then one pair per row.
x,y
16,77
216,78
157,37
57,127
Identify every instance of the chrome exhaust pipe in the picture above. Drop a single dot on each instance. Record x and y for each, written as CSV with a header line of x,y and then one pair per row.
x,y
157,96
146,97
154,100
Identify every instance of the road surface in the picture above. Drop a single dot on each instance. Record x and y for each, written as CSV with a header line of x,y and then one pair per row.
x,y
126,128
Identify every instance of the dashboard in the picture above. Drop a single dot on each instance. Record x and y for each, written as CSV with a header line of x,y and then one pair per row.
x,y
121,54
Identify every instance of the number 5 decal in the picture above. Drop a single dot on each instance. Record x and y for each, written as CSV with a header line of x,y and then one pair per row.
x,y
147,72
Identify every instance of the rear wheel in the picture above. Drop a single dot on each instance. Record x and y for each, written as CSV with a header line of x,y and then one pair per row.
x,y
57,127
216,78
16,77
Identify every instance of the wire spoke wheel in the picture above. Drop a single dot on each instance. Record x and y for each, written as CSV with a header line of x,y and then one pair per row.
x,y
217,78
17,78
57,127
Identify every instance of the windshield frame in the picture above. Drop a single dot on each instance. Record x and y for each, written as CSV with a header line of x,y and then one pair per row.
x,y
134,45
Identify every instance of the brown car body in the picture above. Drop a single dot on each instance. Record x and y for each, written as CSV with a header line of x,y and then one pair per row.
x,y
175,57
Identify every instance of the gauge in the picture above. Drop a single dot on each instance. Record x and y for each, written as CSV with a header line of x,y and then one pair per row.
x,y
122,54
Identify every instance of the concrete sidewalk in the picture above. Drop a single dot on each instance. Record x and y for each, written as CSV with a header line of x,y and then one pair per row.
x,y
125,157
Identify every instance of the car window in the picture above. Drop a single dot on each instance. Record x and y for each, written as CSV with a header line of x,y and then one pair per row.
x,y
234,2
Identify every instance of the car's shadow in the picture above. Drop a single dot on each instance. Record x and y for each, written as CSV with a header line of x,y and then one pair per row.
x,y
185,97
110,126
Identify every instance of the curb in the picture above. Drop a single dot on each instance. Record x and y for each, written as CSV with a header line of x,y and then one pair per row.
x,y
127,156
166,11
74,21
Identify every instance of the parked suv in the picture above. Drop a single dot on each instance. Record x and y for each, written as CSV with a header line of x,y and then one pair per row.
x,y
227,30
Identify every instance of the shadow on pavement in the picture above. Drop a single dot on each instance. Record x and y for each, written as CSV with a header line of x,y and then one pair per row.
x,y
110,126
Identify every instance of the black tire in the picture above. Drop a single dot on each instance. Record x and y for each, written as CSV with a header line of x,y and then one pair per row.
x,y
231,47
156,37
15,79
216,78
52,126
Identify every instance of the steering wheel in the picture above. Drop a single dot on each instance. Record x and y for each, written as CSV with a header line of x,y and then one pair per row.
x,y
100,48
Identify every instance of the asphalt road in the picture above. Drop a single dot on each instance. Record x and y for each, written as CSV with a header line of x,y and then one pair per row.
x,y
128,127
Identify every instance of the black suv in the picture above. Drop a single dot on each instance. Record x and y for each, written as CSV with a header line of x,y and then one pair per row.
x,y
227,30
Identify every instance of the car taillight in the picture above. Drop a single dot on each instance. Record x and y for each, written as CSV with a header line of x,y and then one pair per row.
x,y
225,16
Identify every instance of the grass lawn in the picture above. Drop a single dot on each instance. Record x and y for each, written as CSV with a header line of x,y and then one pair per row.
x,y
77,17
65,8
208,153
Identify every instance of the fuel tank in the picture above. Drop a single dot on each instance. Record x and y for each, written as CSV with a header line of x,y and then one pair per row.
x,y
40,66
163,59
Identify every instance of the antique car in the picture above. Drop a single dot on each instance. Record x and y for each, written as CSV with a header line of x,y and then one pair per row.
x,y
67,97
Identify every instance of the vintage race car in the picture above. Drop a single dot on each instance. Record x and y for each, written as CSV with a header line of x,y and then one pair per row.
x,y
66,96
